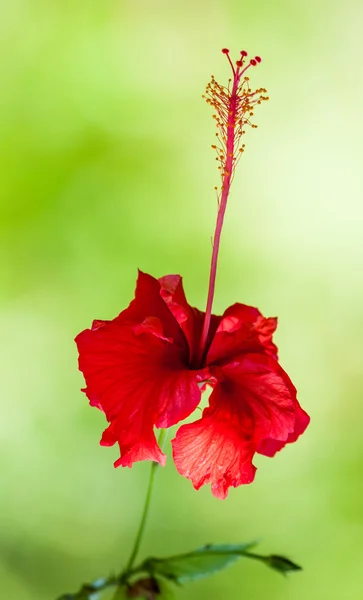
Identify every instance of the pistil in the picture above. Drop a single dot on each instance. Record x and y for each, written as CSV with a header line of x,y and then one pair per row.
x,y
234,108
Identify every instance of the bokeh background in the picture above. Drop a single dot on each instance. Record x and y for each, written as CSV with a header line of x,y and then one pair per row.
x,y
106,166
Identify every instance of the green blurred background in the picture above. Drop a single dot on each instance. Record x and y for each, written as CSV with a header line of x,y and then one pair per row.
x,y
106,166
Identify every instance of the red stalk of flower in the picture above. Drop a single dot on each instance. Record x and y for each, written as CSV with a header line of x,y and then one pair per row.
x,y
234,109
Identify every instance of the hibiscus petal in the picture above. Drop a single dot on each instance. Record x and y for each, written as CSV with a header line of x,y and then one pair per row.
x,y
251,402
136,371
242,329
139,381
189,318
211,451
148,303
269,446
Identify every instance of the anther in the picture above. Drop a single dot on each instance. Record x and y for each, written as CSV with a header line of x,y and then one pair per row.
x,y
258,59
225,50
253,62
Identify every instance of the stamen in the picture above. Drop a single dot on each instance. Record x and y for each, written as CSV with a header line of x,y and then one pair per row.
x,y
233,106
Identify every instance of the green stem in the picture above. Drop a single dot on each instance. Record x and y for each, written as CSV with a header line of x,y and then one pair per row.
x,y
145,511
101,584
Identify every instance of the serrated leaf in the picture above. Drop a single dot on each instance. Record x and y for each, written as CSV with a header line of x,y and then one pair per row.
x,y
201,563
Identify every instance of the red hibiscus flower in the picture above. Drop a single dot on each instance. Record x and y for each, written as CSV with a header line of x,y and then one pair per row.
x,y
142,370
148,367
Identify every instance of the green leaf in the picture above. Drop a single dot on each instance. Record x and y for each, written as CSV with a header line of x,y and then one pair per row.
x,y
281,563
194,565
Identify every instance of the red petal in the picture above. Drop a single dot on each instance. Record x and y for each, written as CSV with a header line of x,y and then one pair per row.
x,y
251,403
189,318
269,446
136,371
148,303
242,329
211,451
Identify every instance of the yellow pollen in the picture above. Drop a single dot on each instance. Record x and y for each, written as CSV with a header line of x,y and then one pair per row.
x,y
234,108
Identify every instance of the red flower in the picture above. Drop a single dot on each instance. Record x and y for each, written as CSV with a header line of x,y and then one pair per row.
x,y
143,370
148,367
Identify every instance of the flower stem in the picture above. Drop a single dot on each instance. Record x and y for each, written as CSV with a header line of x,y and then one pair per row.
x,y
145,511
